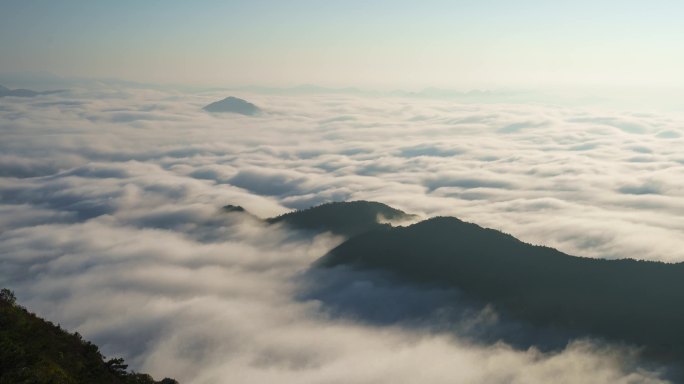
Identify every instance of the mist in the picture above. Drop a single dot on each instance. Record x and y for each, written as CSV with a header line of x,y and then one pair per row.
x,y
112,226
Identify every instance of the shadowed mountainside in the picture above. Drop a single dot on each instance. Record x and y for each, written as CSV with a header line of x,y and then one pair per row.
x,y
36,351
638,302
233,105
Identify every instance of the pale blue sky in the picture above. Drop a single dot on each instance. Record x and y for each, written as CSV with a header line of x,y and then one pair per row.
x,y
372,44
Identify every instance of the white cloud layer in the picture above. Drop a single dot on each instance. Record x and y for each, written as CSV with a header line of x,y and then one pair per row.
x,y
110,223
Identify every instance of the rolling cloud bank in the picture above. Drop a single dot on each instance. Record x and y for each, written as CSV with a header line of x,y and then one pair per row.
x,y
111,224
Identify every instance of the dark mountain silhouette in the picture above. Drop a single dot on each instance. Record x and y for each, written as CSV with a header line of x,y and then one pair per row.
x,y
638,302
625,301
33,350
4,91
343,218
232,208
233,105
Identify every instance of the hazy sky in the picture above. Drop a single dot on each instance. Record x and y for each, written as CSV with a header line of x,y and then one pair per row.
x,y
484,43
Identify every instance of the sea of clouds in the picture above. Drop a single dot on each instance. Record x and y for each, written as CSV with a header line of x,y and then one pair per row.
x,y
111,225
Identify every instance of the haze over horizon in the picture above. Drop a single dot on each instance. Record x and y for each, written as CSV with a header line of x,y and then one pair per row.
x,y
148,148
377,44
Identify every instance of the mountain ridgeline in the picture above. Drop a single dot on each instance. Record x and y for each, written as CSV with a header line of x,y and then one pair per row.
x,y
636,302
348,219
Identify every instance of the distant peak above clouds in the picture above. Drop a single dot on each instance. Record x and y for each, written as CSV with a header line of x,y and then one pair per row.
x,y
233,105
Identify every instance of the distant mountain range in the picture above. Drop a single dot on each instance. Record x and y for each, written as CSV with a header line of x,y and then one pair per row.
x,y
637,302
4,91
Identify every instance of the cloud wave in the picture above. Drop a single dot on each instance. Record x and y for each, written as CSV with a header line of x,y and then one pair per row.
x,y
111,224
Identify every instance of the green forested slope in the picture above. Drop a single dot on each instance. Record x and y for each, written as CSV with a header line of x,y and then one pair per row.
x,y
36,351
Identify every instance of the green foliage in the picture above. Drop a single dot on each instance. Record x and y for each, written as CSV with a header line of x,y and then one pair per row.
x,y
36,351
117,366
7,296
638,302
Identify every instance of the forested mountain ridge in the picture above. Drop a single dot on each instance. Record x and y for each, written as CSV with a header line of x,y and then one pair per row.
x,y
36,351
638,302
625,300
